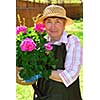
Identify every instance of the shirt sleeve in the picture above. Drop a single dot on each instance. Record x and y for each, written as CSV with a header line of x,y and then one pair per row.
x,y
73,61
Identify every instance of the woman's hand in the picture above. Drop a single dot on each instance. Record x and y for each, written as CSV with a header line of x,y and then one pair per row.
x,y
19,80
18,69
17,74
55,75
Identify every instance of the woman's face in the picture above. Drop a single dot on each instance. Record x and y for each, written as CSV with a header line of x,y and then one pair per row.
x,y
54,27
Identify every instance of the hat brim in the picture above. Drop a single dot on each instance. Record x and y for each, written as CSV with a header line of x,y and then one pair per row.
x,y
69,21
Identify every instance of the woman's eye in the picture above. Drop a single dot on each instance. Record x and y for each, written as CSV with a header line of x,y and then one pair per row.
x,y
48,22
57,22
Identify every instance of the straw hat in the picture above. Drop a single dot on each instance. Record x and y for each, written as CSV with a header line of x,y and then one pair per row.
x,y
54,11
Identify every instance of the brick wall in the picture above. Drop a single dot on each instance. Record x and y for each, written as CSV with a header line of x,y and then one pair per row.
x,y
28,10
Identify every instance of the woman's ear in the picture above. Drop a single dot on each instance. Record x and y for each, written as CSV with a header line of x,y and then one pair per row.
x,y
64,21
43,22
64,24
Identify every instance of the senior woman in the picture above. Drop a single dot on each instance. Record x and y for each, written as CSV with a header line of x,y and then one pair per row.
x,y
63,83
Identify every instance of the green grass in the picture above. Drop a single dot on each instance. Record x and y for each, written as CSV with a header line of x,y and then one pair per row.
x,y
77,29
26,92
81,81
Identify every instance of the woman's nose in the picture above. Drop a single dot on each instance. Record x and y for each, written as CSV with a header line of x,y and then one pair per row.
x,y
53,26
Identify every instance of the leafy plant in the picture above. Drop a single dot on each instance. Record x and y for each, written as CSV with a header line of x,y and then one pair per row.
x,y
34,54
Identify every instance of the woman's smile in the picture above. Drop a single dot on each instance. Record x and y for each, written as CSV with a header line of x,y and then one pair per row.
x,y
54,27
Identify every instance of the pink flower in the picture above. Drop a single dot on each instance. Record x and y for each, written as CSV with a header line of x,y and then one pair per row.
x,y
48,46
27,45
21,29
39,27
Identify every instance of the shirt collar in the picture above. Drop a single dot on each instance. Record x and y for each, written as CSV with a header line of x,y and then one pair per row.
x,y
63,39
